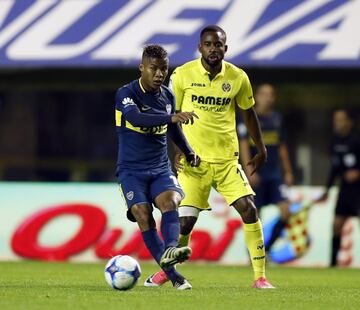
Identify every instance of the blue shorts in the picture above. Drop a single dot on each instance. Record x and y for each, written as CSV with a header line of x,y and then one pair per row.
x,y
268,192
143,186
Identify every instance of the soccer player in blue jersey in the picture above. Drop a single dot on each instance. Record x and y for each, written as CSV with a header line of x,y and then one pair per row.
x,y
145,116
268,180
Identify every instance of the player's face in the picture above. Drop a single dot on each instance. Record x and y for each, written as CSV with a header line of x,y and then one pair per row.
x,y
153,72
341,122
265,96
212,48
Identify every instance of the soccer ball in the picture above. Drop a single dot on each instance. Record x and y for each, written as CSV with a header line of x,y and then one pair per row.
x,y
122,272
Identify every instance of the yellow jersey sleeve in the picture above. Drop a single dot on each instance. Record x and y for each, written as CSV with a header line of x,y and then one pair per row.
x,y
245,98
176,86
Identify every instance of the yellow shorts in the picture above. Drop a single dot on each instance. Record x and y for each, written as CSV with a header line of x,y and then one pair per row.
x,y
227,178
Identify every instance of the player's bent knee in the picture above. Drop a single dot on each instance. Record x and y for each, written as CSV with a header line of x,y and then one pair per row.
x,y
246,207
168,201
169,205
143,216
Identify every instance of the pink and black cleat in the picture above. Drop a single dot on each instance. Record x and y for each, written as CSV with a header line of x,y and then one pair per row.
x,y
262,283
157,279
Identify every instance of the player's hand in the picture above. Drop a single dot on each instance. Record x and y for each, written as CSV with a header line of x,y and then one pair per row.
x,y
289,178
193,160
184,117
257,161
322,198
352,175
254,179
177,162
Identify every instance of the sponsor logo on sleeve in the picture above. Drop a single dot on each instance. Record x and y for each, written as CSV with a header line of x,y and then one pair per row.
x,y
127,101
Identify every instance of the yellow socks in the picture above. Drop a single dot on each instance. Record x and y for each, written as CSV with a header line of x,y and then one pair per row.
x,y
254,240
184,240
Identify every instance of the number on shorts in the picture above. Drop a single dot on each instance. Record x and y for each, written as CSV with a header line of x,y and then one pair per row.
x,y
240,172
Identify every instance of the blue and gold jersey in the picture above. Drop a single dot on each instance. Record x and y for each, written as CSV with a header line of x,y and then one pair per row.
x,y
273,136
142,147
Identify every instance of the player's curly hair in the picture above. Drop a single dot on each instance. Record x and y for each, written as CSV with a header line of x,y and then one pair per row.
x,y
154,51
213,28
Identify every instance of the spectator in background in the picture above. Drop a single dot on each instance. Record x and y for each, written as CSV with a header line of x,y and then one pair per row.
x,y
268,180
345,167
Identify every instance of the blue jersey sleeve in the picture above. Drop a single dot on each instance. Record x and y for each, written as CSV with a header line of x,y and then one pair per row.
x,y
125,100
126,103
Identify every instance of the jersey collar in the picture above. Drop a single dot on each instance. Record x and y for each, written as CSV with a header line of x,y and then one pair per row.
x,y
141,86
203,71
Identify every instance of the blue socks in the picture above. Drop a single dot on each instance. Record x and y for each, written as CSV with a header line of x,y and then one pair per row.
x,y
154,244
170,228
156,247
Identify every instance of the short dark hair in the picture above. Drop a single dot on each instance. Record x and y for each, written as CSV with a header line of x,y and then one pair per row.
x,y
213,28
349,113
258,87
154,51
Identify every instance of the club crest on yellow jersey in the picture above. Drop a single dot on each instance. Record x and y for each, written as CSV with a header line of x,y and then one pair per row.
x,y
226,87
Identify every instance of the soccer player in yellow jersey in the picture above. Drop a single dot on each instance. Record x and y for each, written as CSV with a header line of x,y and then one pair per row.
x,y
212,88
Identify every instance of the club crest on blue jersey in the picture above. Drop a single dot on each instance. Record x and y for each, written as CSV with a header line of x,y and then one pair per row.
x,y
130,195
168,108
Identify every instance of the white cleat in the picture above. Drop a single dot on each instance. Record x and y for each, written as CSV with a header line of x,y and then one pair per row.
x,y
173,255
183,285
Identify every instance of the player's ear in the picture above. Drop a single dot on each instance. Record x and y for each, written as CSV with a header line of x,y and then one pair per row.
x,y
199,48
226,48
141,67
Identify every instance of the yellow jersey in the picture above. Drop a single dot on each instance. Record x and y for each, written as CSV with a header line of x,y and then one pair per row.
x,y
213,137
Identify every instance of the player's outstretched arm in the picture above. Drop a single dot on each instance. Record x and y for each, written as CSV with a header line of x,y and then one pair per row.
x,y
138,119
252,124
184,117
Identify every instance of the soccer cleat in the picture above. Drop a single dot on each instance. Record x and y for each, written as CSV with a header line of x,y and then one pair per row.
x,y
182,284
157,279
262,283
173,255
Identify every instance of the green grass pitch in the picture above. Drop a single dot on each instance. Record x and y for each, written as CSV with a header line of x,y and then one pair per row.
x,y
37,285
